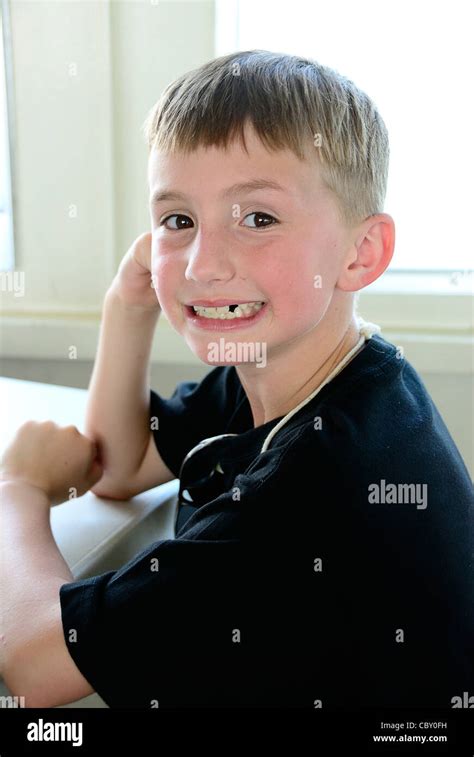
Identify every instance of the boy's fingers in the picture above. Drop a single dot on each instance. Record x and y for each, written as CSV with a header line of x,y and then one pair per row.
x,y
95,473
96,468
143,250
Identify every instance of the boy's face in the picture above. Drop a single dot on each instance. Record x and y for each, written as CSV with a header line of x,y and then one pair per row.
x,y
217,246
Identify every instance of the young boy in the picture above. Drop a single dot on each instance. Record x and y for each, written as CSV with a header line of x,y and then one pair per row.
x,y
322,556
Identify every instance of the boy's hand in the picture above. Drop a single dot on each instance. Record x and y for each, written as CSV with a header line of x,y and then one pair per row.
x,y
133,282
53,458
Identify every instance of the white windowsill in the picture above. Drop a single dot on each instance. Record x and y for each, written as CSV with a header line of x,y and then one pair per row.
x,y
456,282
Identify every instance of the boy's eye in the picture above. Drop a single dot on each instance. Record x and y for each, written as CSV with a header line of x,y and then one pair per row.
x,y
179,223
265,217
262,220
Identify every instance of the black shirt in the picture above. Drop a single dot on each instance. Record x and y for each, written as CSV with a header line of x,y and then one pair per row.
x,y
302,579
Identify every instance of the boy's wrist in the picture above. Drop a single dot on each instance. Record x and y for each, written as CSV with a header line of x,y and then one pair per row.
x,y
20,491
115,297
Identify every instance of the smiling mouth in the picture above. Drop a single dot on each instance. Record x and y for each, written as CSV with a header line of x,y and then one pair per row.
x,y
227,312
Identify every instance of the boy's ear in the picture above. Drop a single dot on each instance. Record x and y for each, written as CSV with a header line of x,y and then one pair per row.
x,y
370,253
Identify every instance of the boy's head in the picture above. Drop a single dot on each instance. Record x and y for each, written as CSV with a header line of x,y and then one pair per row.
x,y
303,248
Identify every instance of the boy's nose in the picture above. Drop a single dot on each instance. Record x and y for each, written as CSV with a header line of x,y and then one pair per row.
x,y
209,259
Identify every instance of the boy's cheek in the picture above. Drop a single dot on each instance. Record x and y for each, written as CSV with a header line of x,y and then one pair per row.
x,y
169,300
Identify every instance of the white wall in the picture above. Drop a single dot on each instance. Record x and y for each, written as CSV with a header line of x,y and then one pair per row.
x,y
62,158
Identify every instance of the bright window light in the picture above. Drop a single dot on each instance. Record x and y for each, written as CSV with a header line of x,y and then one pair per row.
x,y
415,62
6,214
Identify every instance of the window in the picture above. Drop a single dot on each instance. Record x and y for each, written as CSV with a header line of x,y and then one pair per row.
x,y
6,209
415,64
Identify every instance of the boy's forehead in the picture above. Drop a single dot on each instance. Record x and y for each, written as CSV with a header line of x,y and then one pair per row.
x,y
231,170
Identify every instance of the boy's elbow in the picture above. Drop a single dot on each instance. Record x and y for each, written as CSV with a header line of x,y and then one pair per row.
x,y
107,491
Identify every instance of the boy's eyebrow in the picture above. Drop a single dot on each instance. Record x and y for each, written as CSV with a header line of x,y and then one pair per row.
x,y
243,186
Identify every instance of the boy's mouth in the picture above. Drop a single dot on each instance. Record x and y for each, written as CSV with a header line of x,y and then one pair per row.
x,y
226,316
228,312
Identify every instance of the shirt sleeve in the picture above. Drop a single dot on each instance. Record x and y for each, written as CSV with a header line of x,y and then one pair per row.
x,y
159,631
195,411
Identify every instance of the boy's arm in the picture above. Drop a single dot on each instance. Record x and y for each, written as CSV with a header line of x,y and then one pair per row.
x,y
34,659
117,412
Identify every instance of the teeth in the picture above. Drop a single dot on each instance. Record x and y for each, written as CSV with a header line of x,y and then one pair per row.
x,y
244,310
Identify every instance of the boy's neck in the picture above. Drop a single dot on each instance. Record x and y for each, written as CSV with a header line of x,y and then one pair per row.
x,y
288,379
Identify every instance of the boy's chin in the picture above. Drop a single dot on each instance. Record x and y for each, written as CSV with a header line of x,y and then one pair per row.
x,y
204,357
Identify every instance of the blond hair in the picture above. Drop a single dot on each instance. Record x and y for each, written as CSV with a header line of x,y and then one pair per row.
x,y
292,103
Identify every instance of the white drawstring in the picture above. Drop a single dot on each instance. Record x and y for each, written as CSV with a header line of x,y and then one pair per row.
x,y
366,330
